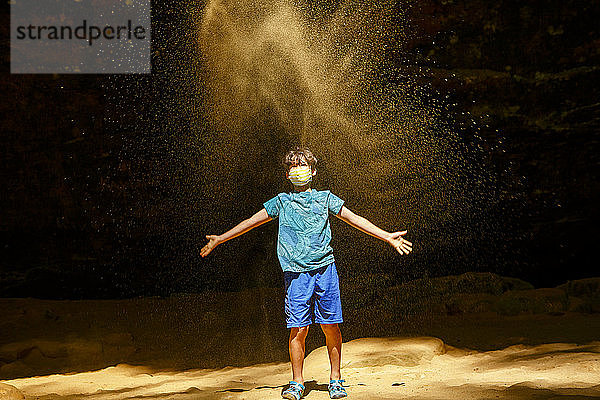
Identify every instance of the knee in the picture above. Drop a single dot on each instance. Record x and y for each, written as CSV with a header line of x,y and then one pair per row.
x,y
298,333
330,329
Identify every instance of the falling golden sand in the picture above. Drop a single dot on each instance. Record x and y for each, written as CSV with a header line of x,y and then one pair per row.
x,y
279,73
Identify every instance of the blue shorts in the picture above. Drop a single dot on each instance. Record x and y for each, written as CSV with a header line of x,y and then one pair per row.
x,y
312,296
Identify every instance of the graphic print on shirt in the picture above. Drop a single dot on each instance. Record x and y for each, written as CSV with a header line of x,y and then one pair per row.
x,y
302,228
304,234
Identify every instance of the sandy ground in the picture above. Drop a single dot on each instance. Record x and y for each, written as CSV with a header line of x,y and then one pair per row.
x,y
473,336
375,368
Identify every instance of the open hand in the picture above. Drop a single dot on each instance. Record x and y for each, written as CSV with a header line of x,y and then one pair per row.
x,y
402,245
213,241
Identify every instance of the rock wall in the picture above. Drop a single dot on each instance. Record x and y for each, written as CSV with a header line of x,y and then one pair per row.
x,y
85,213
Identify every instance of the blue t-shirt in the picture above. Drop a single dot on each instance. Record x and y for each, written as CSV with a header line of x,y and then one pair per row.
x,y
304,232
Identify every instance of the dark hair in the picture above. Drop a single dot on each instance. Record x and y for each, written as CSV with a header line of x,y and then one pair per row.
x,y
298,156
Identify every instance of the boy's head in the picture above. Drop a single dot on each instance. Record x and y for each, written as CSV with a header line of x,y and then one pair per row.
x,y
300,166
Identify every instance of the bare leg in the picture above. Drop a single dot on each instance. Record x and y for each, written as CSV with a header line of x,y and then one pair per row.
x,y
297,337
333,337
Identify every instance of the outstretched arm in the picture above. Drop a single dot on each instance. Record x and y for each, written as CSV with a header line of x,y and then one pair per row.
x,y
214,240
395,239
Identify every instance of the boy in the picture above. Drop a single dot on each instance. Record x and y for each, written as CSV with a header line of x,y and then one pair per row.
x,y
310,276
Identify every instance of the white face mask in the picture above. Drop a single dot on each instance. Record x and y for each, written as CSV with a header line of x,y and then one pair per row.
x,y
300,175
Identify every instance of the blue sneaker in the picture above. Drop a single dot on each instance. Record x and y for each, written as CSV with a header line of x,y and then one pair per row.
x,y
294,392
336,390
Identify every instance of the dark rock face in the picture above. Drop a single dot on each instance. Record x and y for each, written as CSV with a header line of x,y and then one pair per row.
x,y
584,294
80,216
524,73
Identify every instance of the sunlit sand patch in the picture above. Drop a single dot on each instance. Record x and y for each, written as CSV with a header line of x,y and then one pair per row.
x,y
374,368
